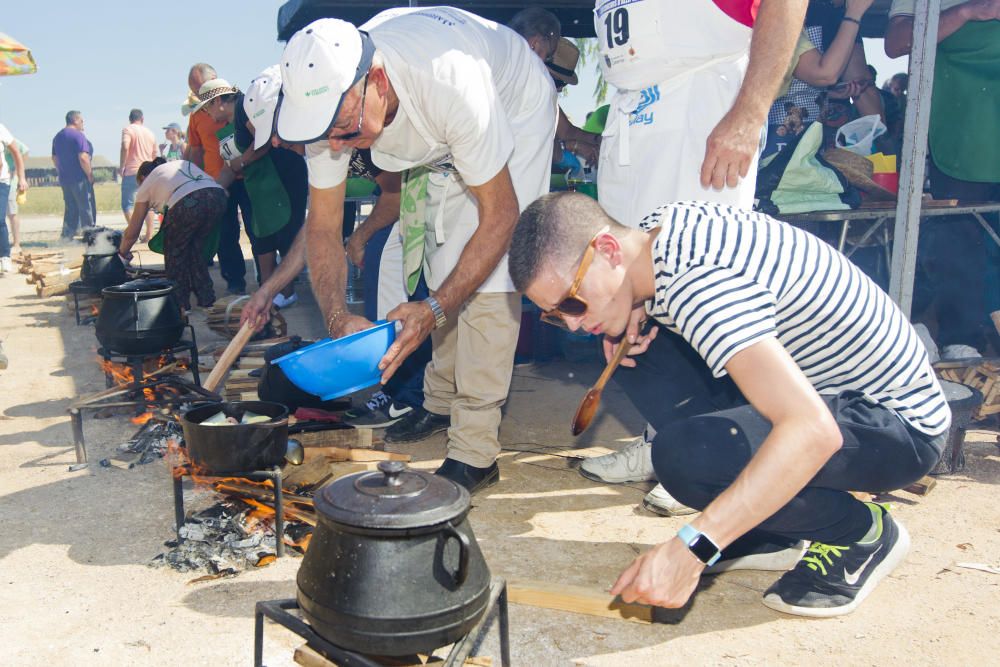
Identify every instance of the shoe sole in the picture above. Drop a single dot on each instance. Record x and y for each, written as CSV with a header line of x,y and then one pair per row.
x,y
625,480
663,511
486,483
385,424
776,561
400,441
896,556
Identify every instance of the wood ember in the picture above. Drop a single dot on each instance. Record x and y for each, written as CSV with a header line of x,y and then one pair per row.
x,y
149,443
220,539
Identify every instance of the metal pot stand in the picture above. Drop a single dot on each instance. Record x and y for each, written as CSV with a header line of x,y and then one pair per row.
x,y
280,612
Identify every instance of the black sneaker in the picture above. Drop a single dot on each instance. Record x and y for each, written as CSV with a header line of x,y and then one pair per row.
x,y
833,580
378,412
417,425
766,556
472,478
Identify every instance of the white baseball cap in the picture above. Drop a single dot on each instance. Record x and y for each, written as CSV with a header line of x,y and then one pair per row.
x,y
260,101
320,64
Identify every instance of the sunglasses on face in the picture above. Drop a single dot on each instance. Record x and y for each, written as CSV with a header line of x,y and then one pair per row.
x,y
573,305
361,117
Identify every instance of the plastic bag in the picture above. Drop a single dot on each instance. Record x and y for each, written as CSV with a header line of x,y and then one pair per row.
x,y
859,135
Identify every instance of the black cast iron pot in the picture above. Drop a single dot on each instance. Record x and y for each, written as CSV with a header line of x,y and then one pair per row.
x,y
102,270
236,447
140,316
393,567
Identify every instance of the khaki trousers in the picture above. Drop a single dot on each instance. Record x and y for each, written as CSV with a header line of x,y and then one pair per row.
x,y
469,374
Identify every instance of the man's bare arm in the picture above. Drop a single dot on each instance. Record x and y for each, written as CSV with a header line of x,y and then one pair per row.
x,y
85,165
899,33
384,213
735,140
327,261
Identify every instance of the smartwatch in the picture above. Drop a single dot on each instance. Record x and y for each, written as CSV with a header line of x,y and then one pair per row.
x,y
700,544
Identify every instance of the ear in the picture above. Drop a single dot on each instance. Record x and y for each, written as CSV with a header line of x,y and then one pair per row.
x,y
380,78
608,246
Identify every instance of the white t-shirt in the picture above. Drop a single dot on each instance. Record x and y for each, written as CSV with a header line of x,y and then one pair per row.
x,y
728,278
465,85
6,138
166,184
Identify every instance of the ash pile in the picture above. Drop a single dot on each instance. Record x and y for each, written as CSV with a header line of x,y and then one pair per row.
x,y
149,443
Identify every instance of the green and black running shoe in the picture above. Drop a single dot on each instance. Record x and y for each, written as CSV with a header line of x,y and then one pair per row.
x,y
833,580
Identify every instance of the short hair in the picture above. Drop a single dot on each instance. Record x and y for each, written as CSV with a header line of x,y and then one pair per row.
x,y
134,115
71,116
553,232
533,21
206,70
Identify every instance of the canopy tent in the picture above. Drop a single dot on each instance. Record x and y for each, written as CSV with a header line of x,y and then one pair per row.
x,y
576,17
15,58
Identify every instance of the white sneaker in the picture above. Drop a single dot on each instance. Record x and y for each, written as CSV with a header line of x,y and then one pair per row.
x,y
634,463
662,503
281,301
6,266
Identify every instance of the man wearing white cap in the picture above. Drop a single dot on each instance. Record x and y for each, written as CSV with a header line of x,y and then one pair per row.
x,y
466,101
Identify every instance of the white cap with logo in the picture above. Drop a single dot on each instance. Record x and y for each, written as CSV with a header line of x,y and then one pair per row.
x,y
260,101
320,64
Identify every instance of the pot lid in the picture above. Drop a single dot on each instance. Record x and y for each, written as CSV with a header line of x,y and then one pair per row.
x,y
143,285
393,497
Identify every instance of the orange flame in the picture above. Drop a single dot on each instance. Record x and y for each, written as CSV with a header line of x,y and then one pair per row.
x,y
142,419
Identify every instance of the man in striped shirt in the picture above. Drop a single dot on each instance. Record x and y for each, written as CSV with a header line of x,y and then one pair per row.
x,y
839,392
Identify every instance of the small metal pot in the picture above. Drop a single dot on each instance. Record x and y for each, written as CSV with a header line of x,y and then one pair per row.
x,y
393,567
140,317
236,447
102,270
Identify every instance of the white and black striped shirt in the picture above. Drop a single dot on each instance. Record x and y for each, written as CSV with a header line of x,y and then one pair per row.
x,y
727,278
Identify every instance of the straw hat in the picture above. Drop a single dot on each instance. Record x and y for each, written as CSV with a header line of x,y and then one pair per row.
x,y
212,89
858,170
563,62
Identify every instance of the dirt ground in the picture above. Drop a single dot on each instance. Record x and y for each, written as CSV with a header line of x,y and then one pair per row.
x,y
75,546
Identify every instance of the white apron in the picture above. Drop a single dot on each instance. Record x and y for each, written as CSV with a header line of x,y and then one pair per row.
x,y
678,67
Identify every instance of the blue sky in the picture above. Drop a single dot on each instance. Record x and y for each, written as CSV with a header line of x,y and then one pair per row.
x,y
106,57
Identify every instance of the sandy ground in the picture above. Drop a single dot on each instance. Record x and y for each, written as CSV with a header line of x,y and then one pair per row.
x,y
74,546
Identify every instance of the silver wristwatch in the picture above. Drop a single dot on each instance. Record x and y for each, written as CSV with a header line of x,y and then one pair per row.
x,y
439,317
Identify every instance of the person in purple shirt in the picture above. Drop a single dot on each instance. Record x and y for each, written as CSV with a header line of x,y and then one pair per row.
x,y
76,178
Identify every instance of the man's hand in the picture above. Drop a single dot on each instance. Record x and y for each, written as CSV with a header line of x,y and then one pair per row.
x,y
257,310
356,249
664,576
981,10
22,186
729,150
640,343
348,323
418,322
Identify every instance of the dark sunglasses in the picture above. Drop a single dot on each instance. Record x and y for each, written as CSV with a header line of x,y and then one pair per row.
x,y
573,305
361,117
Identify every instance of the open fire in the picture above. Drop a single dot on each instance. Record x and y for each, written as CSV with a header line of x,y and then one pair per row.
x,y
237,530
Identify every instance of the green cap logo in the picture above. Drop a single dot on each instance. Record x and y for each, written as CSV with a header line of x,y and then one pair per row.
x,y
317,91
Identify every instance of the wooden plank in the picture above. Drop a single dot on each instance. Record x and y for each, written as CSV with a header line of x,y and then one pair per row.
x,y
576,599
336,454
354,438
922,486
307,656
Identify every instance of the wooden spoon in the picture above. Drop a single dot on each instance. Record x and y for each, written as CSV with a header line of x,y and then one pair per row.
x,y
588,406
229,356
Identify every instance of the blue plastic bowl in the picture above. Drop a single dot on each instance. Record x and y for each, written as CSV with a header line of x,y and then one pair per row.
x,y
331,368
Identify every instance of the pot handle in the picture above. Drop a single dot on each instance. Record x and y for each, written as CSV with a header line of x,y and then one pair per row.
x,y
463,553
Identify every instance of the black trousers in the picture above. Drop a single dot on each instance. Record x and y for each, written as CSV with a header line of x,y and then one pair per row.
x,y
232,266
702,444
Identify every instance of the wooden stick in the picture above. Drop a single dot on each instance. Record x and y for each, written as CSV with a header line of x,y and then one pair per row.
x,y
229,355
577,599
922,486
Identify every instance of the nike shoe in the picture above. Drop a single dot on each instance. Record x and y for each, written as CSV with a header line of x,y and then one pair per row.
x,y
833,580
659,501
634,463
764,556
378,412
281,301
